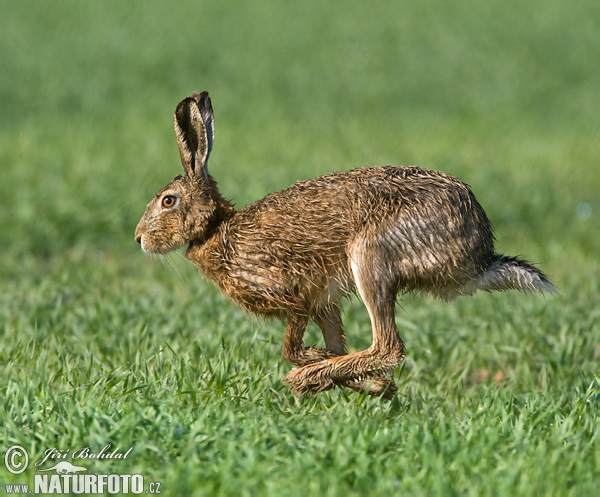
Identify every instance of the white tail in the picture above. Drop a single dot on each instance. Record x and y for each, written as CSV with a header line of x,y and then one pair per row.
x,y
510,273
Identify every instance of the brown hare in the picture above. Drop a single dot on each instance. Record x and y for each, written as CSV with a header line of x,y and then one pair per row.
x,y
295,254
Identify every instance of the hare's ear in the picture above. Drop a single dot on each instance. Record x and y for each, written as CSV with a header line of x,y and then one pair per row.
x,y
194,128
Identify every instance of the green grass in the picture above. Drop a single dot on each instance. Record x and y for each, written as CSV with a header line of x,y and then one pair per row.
x,y
499,394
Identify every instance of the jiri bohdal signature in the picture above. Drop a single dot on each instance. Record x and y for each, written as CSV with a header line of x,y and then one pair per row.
x,y
107,452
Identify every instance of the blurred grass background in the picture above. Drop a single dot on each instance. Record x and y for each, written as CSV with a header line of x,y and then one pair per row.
x,y
503,95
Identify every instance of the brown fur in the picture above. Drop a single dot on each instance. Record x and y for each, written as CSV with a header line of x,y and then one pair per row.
x,y
295,254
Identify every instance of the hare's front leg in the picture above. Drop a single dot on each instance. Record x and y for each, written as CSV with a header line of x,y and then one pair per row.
x,y
330,322
294,350
362,370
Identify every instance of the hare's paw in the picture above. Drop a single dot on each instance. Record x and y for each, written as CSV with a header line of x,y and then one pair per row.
x,y
315,354
310,379
322,376
310,355
376,385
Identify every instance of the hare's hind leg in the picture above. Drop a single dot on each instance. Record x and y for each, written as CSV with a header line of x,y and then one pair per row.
x,y
362,370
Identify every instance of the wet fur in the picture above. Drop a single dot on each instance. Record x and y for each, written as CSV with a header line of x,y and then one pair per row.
x,y
297,253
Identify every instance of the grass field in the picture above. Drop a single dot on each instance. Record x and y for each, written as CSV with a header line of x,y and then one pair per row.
x,y
499,395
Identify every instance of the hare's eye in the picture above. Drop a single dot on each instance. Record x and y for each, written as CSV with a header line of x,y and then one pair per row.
x,y
168,201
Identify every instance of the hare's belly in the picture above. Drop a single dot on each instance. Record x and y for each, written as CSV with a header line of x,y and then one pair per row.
x,y
274,291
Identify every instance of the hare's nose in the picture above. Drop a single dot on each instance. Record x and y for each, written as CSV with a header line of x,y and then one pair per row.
x,y
138,233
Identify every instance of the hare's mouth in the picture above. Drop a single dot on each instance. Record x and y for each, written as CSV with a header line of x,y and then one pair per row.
x,y
151,246
147,248
143,244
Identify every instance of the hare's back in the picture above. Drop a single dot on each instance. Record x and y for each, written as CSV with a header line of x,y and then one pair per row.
x,y
411,212
350,201
425,225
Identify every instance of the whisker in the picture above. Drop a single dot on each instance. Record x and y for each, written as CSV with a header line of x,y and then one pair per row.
x,y
174,267
183,258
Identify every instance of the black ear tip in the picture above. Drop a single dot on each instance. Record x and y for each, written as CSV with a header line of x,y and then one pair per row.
x,y
203,101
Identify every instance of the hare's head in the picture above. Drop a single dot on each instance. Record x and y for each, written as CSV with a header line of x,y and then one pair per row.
x,y
189,207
